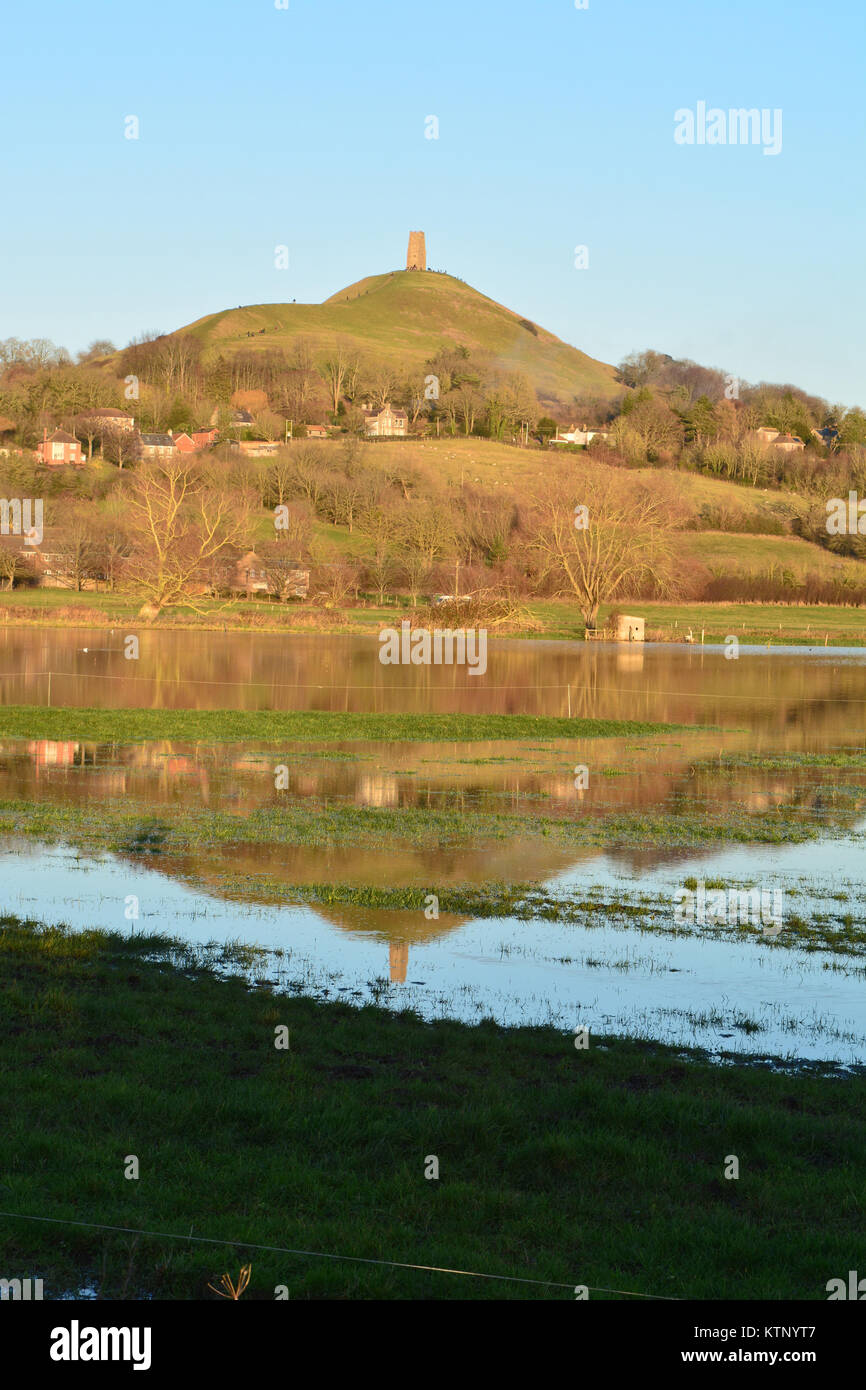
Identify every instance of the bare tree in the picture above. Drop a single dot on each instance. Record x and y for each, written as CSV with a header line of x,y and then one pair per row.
x,y
334,368
382,383
74,550
429,529
282,569
182,518
118,444
600,538
13,562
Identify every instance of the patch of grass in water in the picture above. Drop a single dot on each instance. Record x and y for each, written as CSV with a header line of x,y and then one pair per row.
x,y
231,726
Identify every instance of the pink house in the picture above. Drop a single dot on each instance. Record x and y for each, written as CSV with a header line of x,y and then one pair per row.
x,y
59,449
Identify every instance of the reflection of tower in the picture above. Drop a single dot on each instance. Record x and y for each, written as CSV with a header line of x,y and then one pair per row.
x,y
416,258
398,954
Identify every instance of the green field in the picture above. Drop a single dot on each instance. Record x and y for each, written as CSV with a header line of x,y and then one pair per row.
x,y
601,1166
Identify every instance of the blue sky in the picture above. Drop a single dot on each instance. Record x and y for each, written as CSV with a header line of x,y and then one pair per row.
x,y
305,127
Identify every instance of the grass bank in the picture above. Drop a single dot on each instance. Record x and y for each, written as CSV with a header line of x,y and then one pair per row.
x,y
602,1166
756,624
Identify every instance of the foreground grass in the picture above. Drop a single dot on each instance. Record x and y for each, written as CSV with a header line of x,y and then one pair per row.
x,y
229,726
126,827
601,1166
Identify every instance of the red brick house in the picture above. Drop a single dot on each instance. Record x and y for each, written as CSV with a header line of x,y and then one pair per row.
x,y
185,443
204,438
59,449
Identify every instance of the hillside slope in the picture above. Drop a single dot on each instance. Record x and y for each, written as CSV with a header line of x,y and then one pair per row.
x,y
405,317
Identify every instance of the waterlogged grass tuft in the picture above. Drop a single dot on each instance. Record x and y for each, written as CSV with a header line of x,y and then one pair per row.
x,y
230,726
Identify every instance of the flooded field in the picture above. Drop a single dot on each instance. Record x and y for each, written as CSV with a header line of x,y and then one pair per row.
x,y
703,887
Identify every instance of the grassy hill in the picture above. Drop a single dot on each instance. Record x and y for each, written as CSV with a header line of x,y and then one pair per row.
x,y
405,317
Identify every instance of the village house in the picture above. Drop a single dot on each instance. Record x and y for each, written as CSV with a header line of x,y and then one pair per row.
x,y
184,443
317,431
107,417
59,449
204,438
386,423
256,448
827,436
788,443
581,437
42,564
156,446
251,577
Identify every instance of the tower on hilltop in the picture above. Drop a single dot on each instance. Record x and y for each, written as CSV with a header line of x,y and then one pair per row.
x,y
416,258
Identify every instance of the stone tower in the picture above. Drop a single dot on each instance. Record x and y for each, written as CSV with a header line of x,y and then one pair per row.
x,y
416,258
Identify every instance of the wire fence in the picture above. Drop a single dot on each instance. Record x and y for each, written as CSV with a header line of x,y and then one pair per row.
x,y
384,688
326,1255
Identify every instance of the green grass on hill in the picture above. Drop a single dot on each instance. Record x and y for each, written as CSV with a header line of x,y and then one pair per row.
x,y
405,318
601,1166
730,554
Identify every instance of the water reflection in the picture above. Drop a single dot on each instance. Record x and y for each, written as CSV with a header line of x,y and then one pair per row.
x,y
818,692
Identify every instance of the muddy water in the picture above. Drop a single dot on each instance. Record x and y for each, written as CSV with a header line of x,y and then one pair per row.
x,y
738,996
813,694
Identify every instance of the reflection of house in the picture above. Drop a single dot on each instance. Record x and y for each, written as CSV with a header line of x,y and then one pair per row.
x,y
386,423
377,789
59,449
47,753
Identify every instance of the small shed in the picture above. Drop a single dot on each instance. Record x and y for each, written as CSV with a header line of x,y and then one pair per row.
x,y
629,629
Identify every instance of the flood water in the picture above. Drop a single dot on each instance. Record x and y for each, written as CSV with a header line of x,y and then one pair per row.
x,y
762,717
